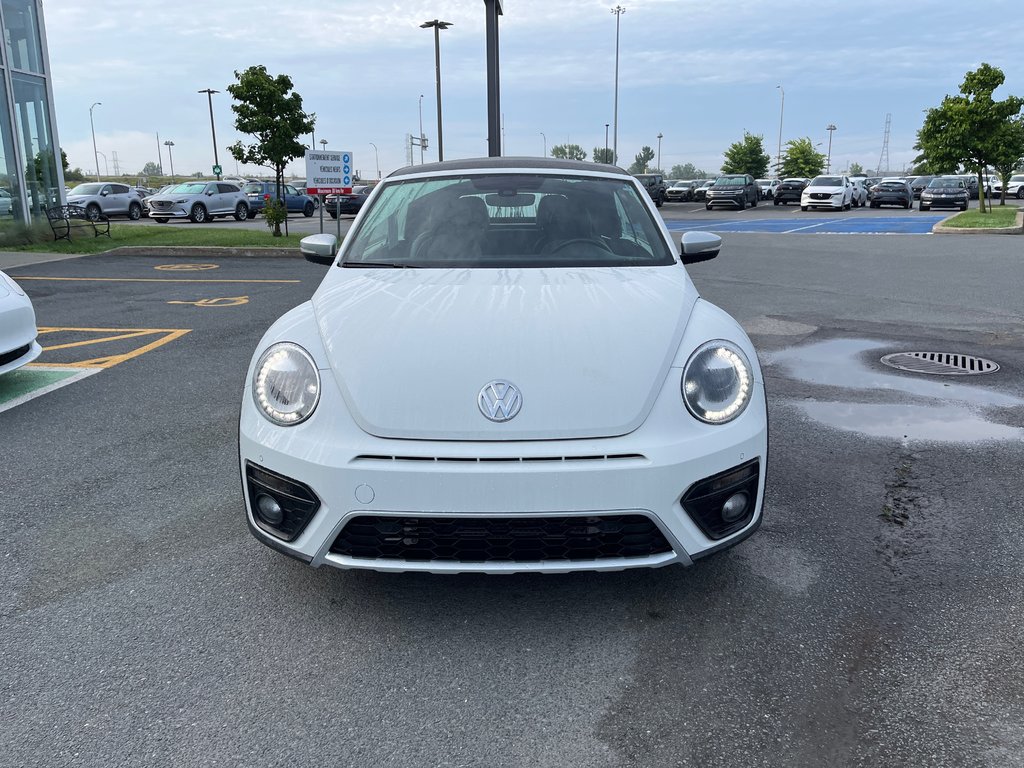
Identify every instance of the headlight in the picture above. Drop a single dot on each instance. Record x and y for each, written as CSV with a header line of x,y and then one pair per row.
x,y
716,382
286,386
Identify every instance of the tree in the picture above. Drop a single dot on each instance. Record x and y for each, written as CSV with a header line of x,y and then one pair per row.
x,y
747,156
602,155
856,169
569,152
151,169
967,129
641,160
267,109
801,160
1009,154
686,171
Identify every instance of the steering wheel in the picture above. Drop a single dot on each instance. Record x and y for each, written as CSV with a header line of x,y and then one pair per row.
x,y
583,240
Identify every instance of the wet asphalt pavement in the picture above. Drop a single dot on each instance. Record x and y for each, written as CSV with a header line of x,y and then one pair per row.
x,y
874,620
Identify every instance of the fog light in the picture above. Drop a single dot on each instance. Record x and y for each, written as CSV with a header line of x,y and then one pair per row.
x,y
735,507
271,513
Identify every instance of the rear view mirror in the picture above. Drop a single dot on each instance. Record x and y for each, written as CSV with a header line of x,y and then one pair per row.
x,y
699,246
319,249
520,200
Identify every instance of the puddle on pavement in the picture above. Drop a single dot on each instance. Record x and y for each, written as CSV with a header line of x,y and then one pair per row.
x,y
934,423
841,363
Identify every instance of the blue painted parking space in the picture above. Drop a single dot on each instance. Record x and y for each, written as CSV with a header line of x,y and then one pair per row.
x,y
918,224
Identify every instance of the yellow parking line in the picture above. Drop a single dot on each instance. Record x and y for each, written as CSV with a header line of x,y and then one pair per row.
x,y
87,342
169,334
150,280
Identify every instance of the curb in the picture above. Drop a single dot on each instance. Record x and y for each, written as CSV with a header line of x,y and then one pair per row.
x,y
203,251
1018,229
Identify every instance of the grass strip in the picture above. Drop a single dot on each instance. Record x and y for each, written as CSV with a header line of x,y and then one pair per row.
x,y
180,236
1001,216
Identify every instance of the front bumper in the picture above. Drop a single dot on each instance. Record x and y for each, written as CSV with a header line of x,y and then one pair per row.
x,y
836,203
643,475
733,200
944,202
175,211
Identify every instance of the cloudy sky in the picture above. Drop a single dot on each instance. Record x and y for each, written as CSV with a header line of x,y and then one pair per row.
x,y
701,73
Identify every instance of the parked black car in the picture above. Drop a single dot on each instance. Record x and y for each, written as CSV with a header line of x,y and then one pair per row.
x,y
948,192
918,185
892,192
734,189
655,185
700,193
789,191
350,203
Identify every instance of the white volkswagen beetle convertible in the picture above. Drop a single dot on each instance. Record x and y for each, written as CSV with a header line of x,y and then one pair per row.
x,y
18,345
506,368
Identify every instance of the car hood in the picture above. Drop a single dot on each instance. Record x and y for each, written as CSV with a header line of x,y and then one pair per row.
x,y
589,349
81,198
827,190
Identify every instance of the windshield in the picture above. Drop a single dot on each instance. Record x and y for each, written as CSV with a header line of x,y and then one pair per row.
x,y
936,183
731,181
86,189
190,188
827,181
507,221
893,185
794,181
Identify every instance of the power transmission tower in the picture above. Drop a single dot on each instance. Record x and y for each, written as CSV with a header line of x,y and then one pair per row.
x,y
883,159
117,170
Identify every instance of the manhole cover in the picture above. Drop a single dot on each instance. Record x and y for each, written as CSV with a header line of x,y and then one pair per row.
x,y
941,363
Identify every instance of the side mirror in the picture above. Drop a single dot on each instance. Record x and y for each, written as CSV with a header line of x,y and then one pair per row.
x,y
319,249
695,247
104,193
209,193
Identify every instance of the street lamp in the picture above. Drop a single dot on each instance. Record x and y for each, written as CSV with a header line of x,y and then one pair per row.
x,y
782,111
106,168
545,144
376,158
828,163
437,26
660,136
618,10
170,156
421,129
323,145
606,142
209,95
95,156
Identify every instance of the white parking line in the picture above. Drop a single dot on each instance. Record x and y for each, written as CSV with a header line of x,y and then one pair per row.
x,y
78,375
812,226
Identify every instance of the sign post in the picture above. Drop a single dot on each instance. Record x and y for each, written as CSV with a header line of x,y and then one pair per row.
x,y
329,173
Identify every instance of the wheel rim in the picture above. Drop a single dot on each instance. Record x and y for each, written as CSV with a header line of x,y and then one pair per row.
x,y
92,212
134,213
242,212
198,213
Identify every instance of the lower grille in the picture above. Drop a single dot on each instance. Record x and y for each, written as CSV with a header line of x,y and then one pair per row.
x,y
490,540
14,354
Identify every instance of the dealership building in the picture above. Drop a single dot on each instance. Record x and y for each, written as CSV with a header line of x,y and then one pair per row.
x,y
31,176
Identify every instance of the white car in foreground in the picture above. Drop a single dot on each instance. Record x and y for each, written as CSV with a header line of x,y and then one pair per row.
x,y
506,368
18,345
834,192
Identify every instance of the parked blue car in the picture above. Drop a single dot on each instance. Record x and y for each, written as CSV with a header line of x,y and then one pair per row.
x,y
256,192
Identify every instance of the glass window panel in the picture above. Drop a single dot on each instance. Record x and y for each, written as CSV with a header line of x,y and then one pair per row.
x,y
21,30
10,179
32,124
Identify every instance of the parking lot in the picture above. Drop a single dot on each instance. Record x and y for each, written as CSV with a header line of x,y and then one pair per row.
x,y
873,620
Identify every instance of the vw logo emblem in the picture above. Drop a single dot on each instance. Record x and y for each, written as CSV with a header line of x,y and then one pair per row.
x,y
499,400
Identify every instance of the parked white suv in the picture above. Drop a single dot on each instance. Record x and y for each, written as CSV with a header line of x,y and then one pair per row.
x,y
107,199
199,201
834,192
1014,187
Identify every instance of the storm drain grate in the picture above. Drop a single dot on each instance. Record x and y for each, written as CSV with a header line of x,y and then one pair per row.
x,y
941,363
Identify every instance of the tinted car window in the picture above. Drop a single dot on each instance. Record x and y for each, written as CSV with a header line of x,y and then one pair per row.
x,y
227,188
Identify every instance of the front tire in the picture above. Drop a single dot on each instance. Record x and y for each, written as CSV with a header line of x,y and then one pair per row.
x,y
241,212
160,219
93,212
198,214
307,211
804,208
134,211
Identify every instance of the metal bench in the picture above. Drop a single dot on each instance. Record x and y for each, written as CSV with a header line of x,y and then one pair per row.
x,y
65,218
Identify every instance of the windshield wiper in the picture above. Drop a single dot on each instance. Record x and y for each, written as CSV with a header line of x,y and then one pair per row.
x,y
378,264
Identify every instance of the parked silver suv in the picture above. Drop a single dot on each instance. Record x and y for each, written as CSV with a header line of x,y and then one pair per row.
x,y
199,201
107,199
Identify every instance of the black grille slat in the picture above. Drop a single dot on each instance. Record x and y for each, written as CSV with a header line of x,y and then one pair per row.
x,y
14,354
488,539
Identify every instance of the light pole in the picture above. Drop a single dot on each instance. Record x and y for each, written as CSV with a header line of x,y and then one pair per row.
x,y
782,111
106,168
95,156
421,129
828,163
660,136
376,158
545,144
209,95
606,142
323,145
170,156
438,26
618,10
